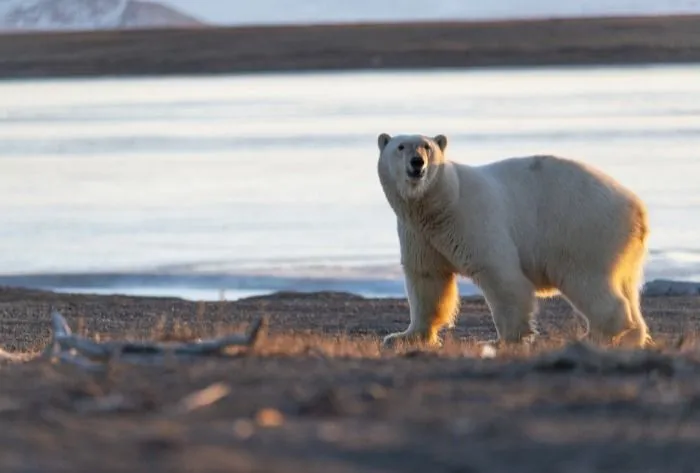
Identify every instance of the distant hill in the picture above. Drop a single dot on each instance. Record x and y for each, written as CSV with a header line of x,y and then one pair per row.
x,y
82,15
150,14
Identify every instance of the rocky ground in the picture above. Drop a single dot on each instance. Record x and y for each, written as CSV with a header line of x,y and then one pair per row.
x,y
316,394
338,47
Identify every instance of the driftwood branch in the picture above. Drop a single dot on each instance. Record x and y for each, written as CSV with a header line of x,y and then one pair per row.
x,y
69,348
10,357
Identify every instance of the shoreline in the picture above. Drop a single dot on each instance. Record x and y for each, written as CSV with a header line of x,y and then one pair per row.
x,y
343,47
654,288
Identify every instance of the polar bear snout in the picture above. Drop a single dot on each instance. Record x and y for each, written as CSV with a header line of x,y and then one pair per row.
x,y
417,162
416,167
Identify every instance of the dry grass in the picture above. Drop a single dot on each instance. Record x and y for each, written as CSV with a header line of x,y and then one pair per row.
x,y
211,320
307,343
296,343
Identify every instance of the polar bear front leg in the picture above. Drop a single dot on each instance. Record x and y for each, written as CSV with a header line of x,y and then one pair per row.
x,y
512,301
433,299
431,289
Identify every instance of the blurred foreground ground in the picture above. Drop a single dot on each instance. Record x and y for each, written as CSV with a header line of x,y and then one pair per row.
x,y
317,395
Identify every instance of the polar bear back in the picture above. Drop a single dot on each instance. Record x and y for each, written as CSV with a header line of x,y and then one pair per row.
x,y
557,208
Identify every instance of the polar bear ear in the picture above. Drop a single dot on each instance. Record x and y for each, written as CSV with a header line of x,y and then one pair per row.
x,y
383,140
441,141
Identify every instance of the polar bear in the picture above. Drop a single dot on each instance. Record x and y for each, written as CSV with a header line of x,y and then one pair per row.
x,y
519,228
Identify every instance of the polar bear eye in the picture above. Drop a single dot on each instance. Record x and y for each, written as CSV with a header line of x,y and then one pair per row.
x,y
427,147
400,147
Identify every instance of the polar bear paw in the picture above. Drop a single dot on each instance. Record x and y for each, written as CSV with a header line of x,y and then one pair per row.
x,y
411,338
527,340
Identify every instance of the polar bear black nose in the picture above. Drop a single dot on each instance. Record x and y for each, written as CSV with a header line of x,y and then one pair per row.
x,y
416,162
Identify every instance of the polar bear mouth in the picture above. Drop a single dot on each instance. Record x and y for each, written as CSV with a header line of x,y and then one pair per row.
x,y
416,174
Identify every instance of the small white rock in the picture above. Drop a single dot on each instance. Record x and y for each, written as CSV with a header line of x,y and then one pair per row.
x,y
488,351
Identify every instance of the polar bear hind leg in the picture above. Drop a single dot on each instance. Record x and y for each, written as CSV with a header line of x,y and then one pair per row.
x,y
604,302
639,335
631,277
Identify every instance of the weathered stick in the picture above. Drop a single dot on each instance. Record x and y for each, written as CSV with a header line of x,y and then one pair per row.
x,y
7,356
80,351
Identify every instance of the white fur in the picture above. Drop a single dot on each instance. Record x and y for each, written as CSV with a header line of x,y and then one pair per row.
x,y
519,228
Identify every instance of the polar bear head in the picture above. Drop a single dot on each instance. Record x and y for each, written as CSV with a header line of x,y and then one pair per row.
x,y
411,162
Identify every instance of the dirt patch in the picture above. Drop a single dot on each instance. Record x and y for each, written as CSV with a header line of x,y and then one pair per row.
x,y
318,395
353,46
